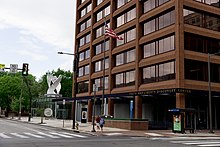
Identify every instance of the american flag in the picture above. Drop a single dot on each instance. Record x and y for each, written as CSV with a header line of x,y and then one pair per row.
x,y
111,33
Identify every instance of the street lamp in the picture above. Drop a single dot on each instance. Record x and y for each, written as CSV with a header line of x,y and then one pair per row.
x,y
210,95
75,67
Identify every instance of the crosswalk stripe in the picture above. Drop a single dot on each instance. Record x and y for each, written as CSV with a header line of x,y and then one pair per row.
x,y
75,135
153,134
34,135
48,135
19,135
4,136
112,134
194,143
209,145
62,135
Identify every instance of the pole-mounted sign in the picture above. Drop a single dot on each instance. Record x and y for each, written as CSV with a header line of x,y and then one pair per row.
x,y
13,68
2,67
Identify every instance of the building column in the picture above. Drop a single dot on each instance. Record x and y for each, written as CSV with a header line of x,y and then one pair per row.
x,y
180,100
110,107
138,107
90,110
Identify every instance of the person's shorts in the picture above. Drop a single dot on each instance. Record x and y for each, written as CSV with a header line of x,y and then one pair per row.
x,y
101,126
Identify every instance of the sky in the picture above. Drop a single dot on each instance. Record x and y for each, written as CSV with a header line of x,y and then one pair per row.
x,y
33,31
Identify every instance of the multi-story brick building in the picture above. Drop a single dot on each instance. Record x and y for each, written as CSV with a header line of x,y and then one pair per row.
x,y
161,63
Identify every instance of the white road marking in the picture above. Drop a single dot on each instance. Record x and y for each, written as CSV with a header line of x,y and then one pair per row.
x,y
4,136
48,135
209,145
112,134
154,134
62,135
33,135
75,135
19,135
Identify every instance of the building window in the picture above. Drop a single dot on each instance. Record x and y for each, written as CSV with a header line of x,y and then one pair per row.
x,y
201,44
159,22
83,87
214,3
99,65
82,1
103,13
99,1
122,2
159,46
127,37
85,25
125,57
84,55
151,4
86,10
100,31
159,72
84,70
99,48
125,79
84,40
126,17
203,20
99,83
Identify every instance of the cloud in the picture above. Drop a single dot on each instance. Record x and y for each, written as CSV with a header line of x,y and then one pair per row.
x,y
33,55
47,20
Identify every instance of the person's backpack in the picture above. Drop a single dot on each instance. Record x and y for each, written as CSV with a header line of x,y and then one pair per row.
x,y
102,121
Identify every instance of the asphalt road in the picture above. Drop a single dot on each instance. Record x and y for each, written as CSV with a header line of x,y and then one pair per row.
x,y
19,134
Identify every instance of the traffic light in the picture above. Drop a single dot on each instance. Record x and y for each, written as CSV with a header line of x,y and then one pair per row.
x,y
25,69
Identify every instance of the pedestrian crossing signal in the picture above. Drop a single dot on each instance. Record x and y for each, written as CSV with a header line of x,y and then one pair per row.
x,y
25,69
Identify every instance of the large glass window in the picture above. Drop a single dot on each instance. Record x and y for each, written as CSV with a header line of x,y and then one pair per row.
x,y
127,37
122,2
159,22
86,10
84,40
125,79
214,3
99,83
100,31
84,70
159,46
159,72
85,25
125,57
151,4
83,87
84,55
103,13
99,1
126,17
99,48
99,65
204,20
201,44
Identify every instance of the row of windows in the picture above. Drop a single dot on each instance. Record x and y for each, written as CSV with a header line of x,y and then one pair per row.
x,y
125,57
214,3
159,22
197,70
84,55
159,72
103,13
86,10
84,70
85,25
151,4
125,79
100,31
201,44
99,83
99,65
207,21
159,46
127,37
126,17
101,47
122,2
84,40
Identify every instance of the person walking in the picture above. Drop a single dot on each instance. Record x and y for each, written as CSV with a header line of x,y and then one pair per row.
x,y
102,122
98,122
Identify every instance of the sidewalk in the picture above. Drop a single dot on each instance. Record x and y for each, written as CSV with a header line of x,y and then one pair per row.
x,y
87,128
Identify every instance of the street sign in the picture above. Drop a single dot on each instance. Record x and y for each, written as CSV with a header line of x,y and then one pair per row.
x,y
2,66
48,112
13,68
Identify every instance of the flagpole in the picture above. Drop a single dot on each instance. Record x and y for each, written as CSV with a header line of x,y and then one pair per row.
x,y
103,109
